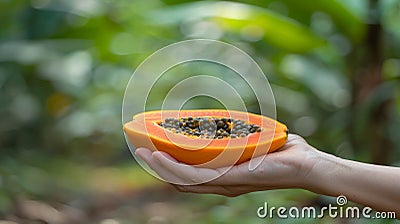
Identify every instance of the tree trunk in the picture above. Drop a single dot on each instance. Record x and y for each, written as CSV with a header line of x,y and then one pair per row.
x,y
365,81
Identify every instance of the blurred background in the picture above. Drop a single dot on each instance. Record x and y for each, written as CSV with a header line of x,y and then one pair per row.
x,y
333,65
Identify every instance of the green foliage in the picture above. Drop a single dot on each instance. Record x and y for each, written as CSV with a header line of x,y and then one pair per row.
x,y
334,67
254,22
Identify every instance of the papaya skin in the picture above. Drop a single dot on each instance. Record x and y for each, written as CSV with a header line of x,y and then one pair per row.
x,y
144,131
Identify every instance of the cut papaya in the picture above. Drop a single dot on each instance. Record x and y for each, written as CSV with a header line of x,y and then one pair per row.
x,y
207,138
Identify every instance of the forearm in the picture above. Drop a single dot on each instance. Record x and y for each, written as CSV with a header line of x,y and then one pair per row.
x,y
370,185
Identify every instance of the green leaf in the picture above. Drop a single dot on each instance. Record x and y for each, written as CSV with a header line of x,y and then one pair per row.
x,y
277,30
348,16
344,17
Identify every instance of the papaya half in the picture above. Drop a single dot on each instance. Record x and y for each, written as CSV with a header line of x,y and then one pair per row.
x,y
206,138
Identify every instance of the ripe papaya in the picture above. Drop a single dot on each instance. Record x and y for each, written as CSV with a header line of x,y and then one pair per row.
x,y
206,138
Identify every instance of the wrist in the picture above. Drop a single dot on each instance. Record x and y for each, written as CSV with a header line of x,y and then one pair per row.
x,y
323,172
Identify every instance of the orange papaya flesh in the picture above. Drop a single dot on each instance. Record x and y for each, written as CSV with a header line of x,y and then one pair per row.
x,y
145,130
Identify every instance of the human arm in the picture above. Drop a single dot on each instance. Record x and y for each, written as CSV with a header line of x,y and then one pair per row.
x,y
371,185
295,165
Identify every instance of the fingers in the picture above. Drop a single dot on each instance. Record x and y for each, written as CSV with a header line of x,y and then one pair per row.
x,y
144,154
231,184
230,191
238,175
175,172
189,175
207,190
221,190
178,173
292,141
293,138
166,155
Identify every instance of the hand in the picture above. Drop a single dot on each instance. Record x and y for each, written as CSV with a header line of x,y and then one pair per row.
x,y
295,165
286,168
